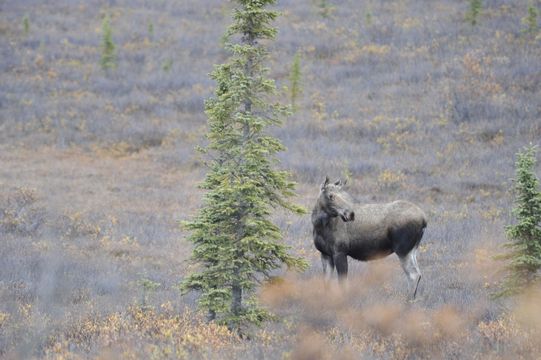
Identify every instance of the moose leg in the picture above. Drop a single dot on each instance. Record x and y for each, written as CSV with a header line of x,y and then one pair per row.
x,y
341,263
326,260
417,271
409,264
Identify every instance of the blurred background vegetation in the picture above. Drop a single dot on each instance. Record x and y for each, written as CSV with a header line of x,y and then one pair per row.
x,y
421,100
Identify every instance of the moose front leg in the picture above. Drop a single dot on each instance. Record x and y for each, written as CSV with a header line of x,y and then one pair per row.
x,y
327,261
341,264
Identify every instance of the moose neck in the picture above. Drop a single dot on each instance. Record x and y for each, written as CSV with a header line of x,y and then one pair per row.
x,y
319,215
320,206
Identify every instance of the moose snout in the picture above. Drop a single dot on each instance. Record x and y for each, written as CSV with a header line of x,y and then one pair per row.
x,y
348,215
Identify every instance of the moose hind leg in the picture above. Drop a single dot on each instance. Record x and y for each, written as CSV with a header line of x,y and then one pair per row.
x,y
409,264
417,270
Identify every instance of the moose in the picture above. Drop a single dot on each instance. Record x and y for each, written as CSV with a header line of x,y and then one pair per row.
x,y
366,232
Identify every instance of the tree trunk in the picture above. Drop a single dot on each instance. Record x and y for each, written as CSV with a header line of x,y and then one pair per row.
x,y
236,292
236,288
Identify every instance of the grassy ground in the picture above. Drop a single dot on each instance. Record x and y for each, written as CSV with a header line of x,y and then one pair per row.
x,y
405,98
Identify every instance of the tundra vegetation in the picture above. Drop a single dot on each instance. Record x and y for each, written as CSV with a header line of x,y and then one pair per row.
x,y
97,169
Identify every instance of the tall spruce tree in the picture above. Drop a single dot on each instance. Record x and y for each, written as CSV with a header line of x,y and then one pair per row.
x,y
235,243
524,246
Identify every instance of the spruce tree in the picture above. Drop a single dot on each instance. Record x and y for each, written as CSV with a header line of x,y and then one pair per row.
x,y
295,80
474,11
531,19
150,29
236,245
26,25
108,56
524,246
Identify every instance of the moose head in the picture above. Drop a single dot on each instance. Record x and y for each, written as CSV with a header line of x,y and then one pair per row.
x,y
335,201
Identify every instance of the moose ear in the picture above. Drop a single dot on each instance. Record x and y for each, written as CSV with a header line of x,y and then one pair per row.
x,y
325,183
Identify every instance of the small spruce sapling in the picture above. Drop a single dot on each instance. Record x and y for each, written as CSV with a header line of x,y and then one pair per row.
x,y
531,19
150,30
26,25
295,80
149,287
368,18
167,65
325,9
474,11
108,55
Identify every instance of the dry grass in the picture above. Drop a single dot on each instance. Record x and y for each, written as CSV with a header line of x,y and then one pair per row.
x,y
139,332
349,320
